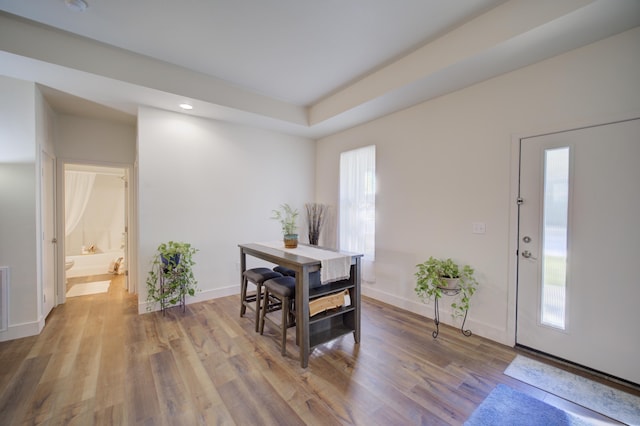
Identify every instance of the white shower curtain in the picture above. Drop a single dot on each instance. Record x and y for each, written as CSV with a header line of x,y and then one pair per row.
x,y
77,190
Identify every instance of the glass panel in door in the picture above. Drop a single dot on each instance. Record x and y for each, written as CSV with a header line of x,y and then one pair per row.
x,y
554,237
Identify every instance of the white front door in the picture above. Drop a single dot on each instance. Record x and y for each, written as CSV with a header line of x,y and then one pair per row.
x,y
579,247
48,234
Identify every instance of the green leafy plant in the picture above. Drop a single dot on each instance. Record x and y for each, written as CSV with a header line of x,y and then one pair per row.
x,y
173,263
433,280
287,217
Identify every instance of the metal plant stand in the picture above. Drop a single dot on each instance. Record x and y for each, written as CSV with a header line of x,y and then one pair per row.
x,y
436,317
165,289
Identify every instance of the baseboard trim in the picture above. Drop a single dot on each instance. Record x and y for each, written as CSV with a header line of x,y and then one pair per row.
x,y
419,308
201,296
18,331
426,310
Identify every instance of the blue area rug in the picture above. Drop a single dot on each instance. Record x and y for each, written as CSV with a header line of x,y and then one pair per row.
x,y
508,407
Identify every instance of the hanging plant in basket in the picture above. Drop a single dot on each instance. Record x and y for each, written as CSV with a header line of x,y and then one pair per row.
x,y
171,277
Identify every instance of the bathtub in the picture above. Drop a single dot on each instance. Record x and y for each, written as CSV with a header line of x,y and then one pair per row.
x,y
93,264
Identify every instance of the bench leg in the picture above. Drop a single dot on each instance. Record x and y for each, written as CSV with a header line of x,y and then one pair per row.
x,y
243,297
285,323
263,311
258,303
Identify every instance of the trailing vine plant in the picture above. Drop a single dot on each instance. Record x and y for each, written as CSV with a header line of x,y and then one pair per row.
x,y
431,282
174,262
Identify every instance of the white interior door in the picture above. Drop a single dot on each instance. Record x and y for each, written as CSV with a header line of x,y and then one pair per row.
x,y
48,234
579,246
125,237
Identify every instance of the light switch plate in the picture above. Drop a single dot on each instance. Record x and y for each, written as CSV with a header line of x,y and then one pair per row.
x,y
479,228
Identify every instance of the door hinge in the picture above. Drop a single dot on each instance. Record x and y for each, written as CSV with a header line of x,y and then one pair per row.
x,y
520,201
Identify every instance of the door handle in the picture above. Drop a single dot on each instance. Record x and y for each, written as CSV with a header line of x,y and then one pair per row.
x,y
54,240
527,255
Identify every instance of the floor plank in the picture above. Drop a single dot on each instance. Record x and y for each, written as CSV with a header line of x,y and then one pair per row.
x,y
98,362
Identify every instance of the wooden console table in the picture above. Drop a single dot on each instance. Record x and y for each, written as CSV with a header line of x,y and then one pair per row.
x,y
323,327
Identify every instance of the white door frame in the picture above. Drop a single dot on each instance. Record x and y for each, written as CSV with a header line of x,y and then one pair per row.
x,y
512,290
131,213
49,182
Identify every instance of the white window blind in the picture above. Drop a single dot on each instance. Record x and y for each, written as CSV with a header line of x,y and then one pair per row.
x,y
358,201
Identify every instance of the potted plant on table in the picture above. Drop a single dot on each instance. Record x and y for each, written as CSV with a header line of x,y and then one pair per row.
x,y
436,277
287,217
171,276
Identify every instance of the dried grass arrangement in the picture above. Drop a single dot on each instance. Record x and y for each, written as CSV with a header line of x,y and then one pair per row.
x,y
316,214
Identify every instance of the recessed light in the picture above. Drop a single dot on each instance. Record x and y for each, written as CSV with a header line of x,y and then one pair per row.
x,y
77,5
186,106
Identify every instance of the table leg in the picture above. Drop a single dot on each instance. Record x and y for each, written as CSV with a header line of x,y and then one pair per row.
x,y
243,285
436,318
356,276
243,263
302,315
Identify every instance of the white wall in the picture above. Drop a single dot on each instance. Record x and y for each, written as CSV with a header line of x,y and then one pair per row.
x,y
446,163
86,140
17,112
214,184
18,204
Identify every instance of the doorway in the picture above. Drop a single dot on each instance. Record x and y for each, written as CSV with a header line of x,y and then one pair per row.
x,y
578,242
96,221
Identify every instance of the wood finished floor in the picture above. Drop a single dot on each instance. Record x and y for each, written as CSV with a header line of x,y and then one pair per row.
x,y
98,362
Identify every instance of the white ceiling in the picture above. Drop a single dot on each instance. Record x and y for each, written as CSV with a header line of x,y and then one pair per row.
x,y
293,50
301,66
